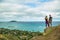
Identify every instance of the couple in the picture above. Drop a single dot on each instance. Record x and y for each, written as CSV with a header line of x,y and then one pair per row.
x,y
48,21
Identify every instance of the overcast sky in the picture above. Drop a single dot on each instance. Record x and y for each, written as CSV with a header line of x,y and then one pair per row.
x,y
29,10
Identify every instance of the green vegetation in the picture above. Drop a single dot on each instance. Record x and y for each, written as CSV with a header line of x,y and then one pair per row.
x,y
51,33
6,34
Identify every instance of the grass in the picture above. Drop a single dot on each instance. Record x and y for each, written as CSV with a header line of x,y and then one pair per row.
x,y
17,34
51,33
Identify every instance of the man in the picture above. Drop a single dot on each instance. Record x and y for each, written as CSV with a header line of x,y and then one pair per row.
x,y
50,20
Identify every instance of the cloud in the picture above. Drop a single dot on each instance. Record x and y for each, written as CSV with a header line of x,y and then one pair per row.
x,y
29,10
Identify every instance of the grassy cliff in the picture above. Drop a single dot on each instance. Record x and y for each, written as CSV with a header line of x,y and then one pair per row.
x,y
6,34
51,33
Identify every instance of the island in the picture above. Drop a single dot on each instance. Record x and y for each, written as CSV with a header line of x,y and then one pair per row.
x,y
13,21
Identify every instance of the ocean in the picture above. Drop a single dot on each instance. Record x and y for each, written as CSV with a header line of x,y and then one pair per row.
x,y
26,26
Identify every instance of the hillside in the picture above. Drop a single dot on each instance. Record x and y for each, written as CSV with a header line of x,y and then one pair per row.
x,y
52,33
6,34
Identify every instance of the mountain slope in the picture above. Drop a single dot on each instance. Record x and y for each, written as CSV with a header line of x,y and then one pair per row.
x,y
51,34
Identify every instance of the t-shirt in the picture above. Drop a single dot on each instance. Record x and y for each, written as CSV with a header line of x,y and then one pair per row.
x,y
50,19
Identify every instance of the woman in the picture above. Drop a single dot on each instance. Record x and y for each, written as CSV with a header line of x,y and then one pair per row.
x,y
46,21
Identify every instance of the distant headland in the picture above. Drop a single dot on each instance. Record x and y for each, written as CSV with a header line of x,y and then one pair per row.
x,y
13,21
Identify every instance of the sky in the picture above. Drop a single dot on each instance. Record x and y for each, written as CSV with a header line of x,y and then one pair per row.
x,y
29,10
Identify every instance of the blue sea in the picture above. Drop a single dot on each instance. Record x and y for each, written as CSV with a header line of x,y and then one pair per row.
x,y
26,26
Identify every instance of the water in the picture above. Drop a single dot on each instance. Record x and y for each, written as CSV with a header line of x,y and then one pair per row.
x,y
27,26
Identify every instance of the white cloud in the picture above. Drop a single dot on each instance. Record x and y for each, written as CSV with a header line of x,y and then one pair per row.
x,y
15,10
12,7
